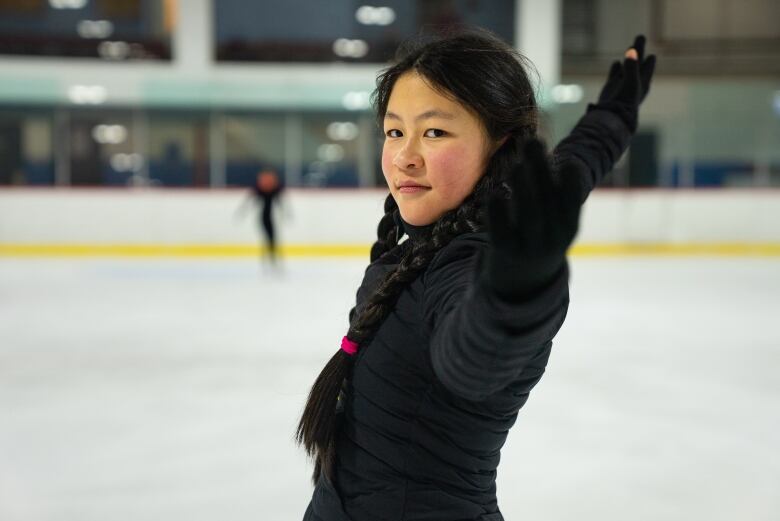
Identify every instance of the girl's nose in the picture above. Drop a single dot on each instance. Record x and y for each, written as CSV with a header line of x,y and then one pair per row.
x,y
407,158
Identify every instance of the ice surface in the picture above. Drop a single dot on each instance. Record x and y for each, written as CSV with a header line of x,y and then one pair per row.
x,y
135,390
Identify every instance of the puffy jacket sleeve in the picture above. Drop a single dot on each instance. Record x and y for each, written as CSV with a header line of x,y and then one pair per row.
x,y
479,342
592,148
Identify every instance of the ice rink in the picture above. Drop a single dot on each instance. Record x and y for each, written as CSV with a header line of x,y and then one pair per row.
x,y
148,390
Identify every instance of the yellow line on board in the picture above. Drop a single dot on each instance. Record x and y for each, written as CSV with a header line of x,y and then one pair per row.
x,y
657,249
362,250
178,250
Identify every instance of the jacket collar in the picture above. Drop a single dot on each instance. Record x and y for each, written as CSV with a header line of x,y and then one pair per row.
x,y
415,233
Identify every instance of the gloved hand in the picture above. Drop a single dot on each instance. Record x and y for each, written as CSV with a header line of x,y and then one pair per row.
x,y
531,231
627,84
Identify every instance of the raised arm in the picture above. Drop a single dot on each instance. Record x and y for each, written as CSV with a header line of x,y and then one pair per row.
x,y
602,135
493,316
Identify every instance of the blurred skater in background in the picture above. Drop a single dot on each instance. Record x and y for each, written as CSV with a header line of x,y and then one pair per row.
x,y
265,193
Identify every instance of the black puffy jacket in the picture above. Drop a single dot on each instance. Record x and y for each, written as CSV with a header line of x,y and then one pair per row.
x,y
433,395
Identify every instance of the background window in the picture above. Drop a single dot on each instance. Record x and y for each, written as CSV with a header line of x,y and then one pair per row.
x,y
330,150
103,148
109,29
26,152
253,143
178,148
343,30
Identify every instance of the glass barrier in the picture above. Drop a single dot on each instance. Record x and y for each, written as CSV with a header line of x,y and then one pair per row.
x,y
27,146
692,133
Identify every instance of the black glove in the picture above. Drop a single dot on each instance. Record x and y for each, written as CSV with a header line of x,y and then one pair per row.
x,y
627,85
531,231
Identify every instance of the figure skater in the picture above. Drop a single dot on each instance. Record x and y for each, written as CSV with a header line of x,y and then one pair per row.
x,y
266,192
453,326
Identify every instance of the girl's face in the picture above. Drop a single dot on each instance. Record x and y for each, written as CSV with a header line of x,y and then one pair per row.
x,y
434,142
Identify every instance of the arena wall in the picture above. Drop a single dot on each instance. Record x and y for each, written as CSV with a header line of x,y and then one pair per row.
x,y
142,221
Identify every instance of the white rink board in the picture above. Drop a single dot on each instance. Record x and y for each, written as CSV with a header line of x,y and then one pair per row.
x,y
315,217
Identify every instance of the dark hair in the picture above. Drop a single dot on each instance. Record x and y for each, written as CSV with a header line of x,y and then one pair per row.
x,y
487,77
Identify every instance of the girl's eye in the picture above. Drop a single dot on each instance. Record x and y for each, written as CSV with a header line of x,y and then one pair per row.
x,y
389,133
434,132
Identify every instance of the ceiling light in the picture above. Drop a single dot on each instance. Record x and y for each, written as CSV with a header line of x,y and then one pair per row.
x,y
330,153
566,93
369,15
342,131
97,29
109,134
114,50
347,48
67,4
356,100
87,94
127,162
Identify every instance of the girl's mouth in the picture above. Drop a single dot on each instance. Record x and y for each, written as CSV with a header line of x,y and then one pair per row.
x,y
412,189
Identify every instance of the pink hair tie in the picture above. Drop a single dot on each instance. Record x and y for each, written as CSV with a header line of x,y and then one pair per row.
x,y
348,346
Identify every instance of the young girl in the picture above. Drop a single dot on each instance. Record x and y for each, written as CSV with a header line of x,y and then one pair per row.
x,y
453,326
